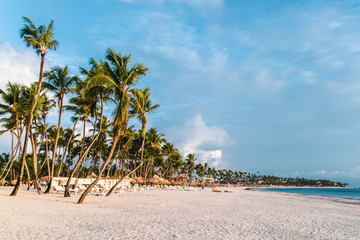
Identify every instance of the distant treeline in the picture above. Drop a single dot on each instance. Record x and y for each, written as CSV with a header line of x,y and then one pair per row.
x,y
236,177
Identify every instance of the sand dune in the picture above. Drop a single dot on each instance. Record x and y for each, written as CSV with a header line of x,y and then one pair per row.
x,y
160,214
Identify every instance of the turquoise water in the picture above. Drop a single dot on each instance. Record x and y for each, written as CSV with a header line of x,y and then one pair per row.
x,y
350,193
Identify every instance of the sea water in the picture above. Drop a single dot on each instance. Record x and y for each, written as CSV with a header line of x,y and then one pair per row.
x,y
349,193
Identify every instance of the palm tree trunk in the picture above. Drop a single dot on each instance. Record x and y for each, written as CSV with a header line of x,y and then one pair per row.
x,y
47,147
35,163
112,161
28,175
76,170
82,158
83,196
11,162
27,129
17,147
55,148
11,156
67,146
118,182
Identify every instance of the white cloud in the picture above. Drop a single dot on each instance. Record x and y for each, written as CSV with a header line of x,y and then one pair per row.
x,y
206,142
20,66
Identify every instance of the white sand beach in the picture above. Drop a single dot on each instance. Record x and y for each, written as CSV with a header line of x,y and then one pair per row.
x,y
165,214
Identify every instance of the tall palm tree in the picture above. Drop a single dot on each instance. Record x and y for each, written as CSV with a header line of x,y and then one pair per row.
x,y
26,95
120,78
59,82
90,94
44,111
41,39
141,105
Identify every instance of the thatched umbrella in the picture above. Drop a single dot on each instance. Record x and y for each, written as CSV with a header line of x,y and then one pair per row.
x,y
92,175
44,179
4,182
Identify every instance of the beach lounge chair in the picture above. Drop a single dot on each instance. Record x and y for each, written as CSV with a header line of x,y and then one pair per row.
x,y
59,189
98,191
216,190
62,189
82,188
119,189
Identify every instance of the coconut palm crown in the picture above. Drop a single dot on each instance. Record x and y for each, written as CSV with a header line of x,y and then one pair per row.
x,y
40,38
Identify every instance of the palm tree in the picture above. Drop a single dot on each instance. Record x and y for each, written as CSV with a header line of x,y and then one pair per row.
x,y
120,78
81,107
44,111
190,164
12,106
41,39
141,104
153,145
200,170
168,150
89,95
26,95
59,82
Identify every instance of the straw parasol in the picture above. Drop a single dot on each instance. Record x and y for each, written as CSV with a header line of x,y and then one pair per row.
x,y
44,179
92,175
132,181
4,182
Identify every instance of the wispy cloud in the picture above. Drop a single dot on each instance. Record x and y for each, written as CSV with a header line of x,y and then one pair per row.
x,y
19,66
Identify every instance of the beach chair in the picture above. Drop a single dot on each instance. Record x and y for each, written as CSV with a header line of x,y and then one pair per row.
x,y
119,189
62,189
98,191
59,189
216,190
82,188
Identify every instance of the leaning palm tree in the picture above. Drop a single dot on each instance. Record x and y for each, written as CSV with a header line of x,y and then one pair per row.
x,y
141,105
26,95
44,111
120,78
10,126
41,39
89,96
59,82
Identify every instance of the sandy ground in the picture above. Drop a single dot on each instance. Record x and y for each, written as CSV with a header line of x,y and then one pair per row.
x,y
165,214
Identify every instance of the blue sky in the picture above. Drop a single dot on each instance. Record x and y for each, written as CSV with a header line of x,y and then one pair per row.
x,y
270,86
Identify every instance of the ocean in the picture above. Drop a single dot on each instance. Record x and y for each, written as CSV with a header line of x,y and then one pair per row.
x,y
349,193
